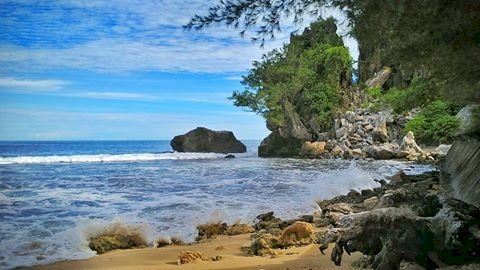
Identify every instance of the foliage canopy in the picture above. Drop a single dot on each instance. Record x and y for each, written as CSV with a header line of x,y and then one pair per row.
x,y
438,38
304,77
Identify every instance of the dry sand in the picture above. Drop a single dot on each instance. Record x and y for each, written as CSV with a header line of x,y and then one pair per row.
x,y
307,257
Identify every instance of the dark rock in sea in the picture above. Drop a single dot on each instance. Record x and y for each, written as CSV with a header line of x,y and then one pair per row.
x,y
230,156
275,145
266,217
205,140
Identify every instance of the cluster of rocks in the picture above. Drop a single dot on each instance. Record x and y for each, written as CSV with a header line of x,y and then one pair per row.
x,y
363,133
407,221
272,234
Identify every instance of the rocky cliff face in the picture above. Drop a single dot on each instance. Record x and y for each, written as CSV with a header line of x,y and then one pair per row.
x,y
461,168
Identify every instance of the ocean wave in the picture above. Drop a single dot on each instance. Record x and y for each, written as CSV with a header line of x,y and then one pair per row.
x,y
110,158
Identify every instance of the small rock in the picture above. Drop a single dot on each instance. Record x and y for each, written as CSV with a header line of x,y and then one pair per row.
x,y
337,151
341,132
399,178
350,116
190,257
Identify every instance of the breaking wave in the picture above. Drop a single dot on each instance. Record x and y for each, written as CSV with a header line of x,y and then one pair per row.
x,y
111,158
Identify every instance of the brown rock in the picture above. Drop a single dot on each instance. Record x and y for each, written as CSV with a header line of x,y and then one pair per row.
x,y
313,149
239,228
299,233
190,257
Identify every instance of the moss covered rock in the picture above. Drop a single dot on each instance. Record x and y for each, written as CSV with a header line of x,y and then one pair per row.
x,y
104,243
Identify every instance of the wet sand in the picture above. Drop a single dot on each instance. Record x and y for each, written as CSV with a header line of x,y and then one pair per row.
x,y
307,257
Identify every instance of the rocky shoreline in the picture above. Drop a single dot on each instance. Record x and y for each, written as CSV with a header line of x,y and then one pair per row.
x,y
407,223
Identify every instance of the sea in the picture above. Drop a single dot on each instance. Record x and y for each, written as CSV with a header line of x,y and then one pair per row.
x,y
56,195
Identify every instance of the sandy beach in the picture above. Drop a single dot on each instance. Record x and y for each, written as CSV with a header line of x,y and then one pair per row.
x,y
228,247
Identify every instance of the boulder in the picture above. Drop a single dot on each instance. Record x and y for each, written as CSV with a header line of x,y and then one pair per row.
x,y
314,149
350,116
205,140
469,117
385,151
410,149
341,132
380,132
442,150
337,151
107,242
399,178
298,234
274,145
379,78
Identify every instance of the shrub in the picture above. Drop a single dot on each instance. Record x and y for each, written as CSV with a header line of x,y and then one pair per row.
x,y
444,127
375,92
416,95
436,123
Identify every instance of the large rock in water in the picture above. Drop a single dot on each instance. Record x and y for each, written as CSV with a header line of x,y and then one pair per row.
x,y
205,140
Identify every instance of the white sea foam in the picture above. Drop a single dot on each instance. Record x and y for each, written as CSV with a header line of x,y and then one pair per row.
x,y
71,244
4,199
111,158
52,214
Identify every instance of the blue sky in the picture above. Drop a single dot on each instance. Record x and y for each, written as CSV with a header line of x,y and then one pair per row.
x,y
72,69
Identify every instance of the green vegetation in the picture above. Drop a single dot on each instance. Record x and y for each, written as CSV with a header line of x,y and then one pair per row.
x,y
417,94
304,77
375,92
436,39
435,123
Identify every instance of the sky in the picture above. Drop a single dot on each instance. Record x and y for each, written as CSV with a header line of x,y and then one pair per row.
x,y
121,70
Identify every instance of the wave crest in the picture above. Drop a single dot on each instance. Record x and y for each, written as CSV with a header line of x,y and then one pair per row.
x,y
108,158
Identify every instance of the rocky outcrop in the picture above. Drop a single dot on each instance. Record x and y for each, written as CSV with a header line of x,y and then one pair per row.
x,y
205,140
407,223
461,169
274,145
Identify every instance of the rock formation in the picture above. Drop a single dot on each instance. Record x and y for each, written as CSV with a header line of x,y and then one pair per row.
x,y
205,140
410,221
460,170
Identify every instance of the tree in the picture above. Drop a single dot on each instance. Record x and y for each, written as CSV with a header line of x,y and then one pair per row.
x,y
439,39
304,79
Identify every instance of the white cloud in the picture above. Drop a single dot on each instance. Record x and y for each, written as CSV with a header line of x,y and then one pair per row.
x,y
234,78
111,95
32,84
134,35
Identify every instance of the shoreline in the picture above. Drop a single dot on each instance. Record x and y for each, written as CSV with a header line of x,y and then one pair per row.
x,y
306,257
